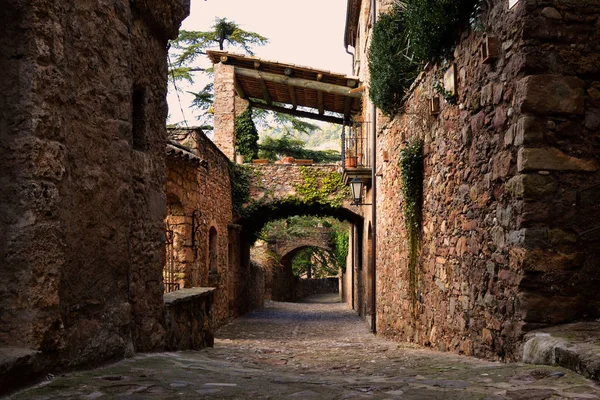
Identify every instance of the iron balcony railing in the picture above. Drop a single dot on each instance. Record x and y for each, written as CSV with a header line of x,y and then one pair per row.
x,y
355,146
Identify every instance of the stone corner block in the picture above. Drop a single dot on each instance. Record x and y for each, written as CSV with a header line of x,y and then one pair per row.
x,y
551,159
551,94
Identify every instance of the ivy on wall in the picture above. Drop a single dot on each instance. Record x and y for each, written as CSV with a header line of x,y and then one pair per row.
x,y
246,136
391,65
319,187
434,25
239,176
411,171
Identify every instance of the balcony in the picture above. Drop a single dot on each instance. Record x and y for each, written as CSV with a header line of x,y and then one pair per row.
x,y
356,152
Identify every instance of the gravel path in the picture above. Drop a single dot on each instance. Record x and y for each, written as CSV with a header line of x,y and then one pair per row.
x,y
313,350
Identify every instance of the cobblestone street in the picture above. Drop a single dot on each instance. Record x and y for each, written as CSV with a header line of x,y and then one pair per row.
x,y
317,349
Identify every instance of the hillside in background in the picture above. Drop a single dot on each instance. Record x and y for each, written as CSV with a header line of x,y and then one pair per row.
x,y
326,138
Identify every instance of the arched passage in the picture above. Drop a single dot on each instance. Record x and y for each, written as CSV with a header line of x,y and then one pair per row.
x,y
282,283
283,286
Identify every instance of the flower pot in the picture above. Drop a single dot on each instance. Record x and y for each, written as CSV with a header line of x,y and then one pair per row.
x,y
351,162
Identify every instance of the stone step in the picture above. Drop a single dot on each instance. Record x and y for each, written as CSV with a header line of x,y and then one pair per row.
x,y
574,346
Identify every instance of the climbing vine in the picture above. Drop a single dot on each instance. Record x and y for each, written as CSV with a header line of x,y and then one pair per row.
x,y
246,136
340,239
239,175
318,187
411,167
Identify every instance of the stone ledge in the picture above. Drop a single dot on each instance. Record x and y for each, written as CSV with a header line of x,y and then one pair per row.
x,y
184,295
19,366
574,346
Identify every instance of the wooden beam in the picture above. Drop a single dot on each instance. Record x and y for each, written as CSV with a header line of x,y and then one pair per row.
x,y
292,91
298,113
238,88
298,82
320,97
348,108
265,91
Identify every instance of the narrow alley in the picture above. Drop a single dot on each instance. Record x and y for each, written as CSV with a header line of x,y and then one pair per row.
x,y
316,349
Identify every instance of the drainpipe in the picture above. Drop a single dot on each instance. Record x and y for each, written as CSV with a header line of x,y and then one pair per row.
x,y
374,195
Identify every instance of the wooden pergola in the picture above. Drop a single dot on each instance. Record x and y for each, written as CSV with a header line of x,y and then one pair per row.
x,y
292,89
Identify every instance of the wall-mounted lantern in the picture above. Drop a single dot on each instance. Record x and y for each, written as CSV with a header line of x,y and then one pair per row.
x,y
356,187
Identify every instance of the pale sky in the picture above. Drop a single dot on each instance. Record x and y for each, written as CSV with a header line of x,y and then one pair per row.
x,y
304,32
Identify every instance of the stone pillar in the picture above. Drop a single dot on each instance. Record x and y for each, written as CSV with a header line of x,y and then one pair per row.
x,y
227,106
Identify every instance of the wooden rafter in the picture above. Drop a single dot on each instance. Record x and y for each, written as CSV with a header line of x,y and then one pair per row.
x,y
265,91
238,88
292,91
298,113
320,96
348,107
297,82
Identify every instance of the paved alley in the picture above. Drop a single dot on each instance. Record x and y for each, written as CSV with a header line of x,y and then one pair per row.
x,y
312,350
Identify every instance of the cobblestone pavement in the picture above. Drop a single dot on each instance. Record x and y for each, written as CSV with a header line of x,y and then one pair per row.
x,y
314,350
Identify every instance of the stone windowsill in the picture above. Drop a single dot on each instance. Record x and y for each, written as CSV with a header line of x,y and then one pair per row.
x,y
183,295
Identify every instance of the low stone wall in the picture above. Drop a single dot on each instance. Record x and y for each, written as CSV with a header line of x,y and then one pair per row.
x,y
309,287
189,318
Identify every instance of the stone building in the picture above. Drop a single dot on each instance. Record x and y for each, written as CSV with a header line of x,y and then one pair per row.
x,y
509,239
82,166
204,245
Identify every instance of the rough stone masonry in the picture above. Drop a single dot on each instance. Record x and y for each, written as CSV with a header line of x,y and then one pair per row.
x,y
509,200
82,142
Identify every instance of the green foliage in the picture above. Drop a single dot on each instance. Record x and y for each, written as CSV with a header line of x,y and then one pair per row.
x,y
246,135
391,64
275,149
412,33
288,124
340,239
186,57
239,175
321,262
318,187
448,96
411,170
192,44
434,25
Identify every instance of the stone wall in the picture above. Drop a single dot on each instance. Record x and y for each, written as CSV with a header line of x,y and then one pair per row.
x,y
189,182
311,287
504,247
82,164
189,319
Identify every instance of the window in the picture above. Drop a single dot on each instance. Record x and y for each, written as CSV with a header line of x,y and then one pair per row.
x,y
138,118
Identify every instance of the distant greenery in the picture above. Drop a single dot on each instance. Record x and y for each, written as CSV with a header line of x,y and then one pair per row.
x,y
320,262
187,57
246,136
275,149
